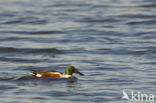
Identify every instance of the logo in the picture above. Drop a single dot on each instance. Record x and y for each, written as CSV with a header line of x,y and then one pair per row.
x,y
137,96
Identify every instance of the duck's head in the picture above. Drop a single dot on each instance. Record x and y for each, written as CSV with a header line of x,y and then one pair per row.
x,y
71,69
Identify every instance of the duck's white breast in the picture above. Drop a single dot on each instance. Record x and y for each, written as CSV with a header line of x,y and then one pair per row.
x,y
65,76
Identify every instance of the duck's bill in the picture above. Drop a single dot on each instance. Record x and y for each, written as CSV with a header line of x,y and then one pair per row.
x,y
79,73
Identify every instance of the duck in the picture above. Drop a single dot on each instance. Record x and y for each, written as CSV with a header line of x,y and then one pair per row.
x,y
55,74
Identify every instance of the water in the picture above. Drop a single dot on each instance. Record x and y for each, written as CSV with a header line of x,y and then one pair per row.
x,y
113,42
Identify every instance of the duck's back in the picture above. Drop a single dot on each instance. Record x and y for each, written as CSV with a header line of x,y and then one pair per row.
x,y
47,73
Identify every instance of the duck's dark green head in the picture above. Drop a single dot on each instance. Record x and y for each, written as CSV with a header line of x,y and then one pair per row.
x,y
71,69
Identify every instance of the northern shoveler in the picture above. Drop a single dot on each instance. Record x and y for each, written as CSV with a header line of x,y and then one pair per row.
x,y
55,74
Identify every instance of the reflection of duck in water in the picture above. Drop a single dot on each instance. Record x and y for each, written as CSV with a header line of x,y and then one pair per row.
x,y
55,74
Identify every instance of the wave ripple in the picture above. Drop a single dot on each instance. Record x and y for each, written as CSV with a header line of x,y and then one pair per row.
x,y
29,50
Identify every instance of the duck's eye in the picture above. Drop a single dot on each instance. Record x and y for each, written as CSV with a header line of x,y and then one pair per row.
x,y
75,71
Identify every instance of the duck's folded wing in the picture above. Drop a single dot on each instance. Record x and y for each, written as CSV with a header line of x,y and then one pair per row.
x,y
47,71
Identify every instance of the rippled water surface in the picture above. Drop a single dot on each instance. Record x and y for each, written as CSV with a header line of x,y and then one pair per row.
x,y
113,42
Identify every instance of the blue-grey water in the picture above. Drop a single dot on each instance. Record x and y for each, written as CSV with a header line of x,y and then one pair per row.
x,y
113,42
